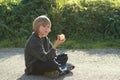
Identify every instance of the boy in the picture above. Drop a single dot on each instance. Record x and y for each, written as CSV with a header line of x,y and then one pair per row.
x,y
40,54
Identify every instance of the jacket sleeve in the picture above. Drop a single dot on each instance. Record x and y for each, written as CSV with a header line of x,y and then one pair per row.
x,y
50,44
38,51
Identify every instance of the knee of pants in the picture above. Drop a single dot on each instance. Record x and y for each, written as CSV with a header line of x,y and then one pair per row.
x,y
45,66
62,59
51,65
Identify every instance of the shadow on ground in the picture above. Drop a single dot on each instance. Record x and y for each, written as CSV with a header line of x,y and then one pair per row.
x,y
8,52
26,77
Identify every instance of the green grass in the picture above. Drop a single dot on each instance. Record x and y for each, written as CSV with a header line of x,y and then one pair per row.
x,y
67,45
91,44
13,43
6,43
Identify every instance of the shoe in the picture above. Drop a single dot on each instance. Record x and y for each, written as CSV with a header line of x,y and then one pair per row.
x,y
66,69
63,68
70,66
52,74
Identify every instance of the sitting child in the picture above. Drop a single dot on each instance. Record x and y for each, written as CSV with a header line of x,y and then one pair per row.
x,y
40,54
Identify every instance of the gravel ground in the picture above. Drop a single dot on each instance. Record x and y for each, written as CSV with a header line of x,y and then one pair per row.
x,y
93,64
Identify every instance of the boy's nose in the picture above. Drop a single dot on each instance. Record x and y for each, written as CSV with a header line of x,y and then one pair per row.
x,y
48,29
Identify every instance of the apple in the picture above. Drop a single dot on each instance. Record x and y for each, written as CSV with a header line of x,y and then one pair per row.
x,y
61,37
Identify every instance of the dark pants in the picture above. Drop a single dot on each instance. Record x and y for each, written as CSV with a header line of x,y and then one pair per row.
x,y
38,68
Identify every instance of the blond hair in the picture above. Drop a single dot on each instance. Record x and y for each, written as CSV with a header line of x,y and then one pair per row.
x,y
40,20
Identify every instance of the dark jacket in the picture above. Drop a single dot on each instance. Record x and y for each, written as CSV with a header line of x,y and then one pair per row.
x,y
38,49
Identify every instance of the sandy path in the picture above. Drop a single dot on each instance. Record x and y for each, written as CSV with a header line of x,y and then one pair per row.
x,y
97,64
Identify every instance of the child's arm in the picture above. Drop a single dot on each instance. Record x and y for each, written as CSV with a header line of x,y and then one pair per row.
x,y
60,39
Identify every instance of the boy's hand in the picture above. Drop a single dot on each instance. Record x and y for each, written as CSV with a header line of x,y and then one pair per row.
x,y
60,39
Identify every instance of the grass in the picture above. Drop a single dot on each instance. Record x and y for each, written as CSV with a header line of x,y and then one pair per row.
x,y
70,44
13,43
91,44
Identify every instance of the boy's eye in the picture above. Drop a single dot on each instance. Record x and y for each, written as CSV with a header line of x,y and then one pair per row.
x,y
48,27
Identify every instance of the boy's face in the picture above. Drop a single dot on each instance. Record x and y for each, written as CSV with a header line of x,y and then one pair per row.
x,y
44,30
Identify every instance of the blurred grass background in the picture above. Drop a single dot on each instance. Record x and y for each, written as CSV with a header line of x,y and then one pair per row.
x,y
86,23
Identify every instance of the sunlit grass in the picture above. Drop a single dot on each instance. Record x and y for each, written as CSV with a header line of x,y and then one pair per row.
x,y
11,1
62,3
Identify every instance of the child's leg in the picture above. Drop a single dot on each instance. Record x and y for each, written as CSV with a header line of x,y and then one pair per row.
x,y
40,68
62,59
65,67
